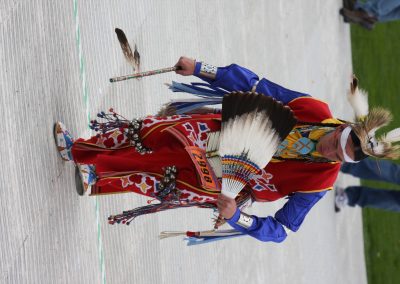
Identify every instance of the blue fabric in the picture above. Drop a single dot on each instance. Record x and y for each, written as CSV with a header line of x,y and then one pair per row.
x,y
237,78
263,229
207,96
380,170
230,78
383,10
364,196
291,215
280,93
202,90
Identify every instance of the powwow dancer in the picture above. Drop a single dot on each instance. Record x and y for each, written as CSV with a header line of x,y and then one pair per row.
x,y
151,157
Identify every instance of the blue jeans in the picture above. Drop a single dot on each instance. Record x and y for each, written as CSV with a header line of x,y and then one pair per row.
x,y
383,10
364,196
380,170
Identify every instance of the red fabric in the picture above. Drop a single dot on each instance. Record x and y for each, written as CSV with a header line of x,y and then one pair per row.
x,y
121,169
291,176
310,109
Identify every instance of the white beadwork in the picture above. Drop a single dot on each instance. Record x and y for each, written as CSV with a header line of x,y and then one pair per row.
x,y
208,70
245,220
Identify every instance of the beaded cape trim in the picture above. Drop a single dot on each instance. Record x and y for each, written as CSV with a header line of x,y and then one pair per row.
x,y
288,153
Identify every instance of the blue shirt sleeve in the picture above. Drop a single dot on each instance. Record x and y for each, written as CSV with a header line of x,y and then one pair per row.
x,y
278,92
291,215
231,78
265,229
237,78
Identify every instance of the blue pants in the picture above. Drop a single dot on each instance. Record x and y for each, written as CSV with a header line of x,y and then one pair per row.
x,y
379,170
383,10
364,196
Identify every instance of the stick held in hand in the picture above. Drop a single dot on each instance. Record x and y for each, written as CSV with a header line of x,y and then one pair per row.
x,y
144,74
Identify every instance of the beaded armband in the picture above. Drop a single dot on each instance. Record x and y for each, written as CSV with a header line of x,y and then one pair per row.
x,y
245,220
208,71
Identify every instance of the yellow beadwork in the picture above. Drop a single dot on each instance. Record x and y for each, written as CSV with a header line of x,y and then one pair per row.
x,y
295,134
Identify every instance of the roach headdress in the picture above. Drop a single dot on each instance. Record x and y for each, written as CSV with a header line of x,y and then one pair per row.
x,y
368,122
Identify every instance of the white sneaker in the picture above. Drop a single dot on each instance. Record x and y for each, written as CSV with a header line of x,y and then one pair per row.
x,y
341,199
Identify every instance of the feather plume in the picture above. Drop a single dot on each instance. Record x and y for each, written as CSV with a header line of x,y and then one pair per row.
x,y
252,128
377,118
365,131
167,110
368,122
392,136
136,59
132,58
358,99
353,83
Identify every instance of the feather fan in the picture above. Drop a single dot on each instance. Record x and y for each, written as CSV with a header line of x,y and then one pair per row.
x,y
253,126
212,153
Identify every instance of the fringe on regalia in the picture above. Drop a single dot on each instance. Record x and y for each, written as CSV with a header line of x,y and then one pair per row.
x,y
205,93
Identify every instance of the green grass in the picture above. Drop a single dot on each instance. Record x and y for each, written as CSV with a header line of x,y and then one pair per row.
x,y
376,62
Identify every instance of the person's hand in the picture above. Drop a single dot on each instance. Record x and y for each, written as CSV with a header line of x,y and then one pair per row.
x,y
226,206
186,65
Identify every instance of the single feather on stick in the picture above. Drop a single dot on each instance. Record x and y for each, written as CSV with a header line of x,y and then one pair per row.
x,y
133,58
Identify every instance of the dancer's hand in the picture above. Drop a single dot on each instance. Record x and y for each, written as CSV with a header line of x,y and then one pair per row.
x,y
226,206
186,65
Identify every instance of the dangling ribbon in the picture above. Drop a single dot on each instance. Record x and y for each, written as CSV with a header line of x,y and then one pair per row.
x,y
205,93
